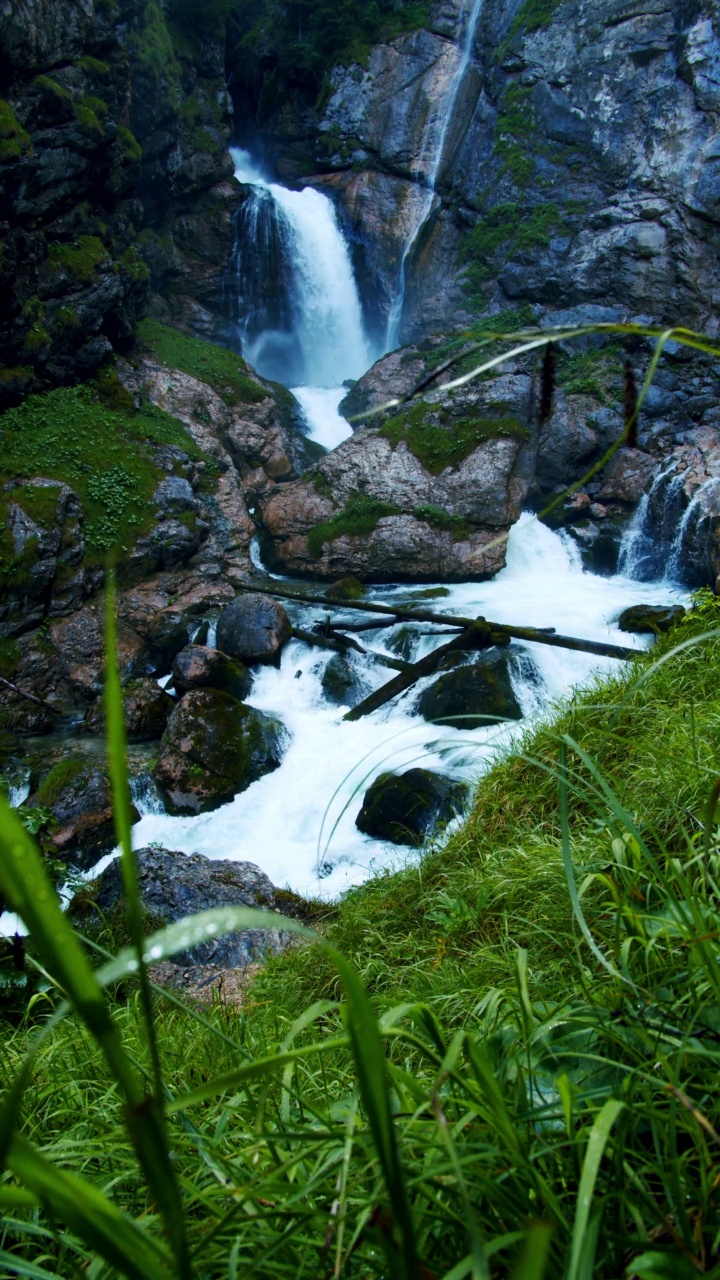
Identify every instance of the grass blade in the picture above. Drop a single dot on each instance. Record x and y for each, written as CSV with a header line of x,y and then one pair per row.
x,y
597,1142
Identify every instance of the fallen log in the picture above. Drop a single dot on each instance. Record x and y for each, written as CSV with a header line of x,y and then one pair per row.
x,y
481,635
537,635
336,643
40,702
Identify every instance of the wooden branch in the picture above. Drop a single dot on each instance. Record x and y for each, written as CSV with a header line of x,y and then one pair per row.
x,y
537,635
478,636
341,644
40,702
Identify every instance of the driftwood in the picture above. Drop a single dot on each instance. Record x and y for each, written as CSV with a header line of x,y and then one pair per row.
x,y
341,644
40,702
536,634
480,635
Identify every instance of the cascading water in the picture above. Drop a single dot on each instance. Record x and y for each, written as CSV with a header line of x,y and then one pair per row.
x,y
291,291
669,536
429,165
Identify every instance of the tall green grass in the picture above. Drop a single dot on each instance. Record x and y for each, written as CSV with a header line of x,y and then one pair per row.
x,y
516,1074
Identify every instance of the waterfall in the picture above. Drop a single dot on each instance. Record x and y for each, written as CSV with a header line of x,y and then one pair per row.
x,y
290,285
429,165
669,537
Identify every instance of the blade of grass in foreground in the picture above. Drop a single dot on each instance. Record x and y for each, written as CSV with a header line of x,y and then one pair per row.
x,y
599,1135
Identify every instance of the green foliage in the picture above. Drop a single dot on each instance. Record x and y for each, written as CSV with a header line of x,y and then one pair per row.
x,y
82,258
437,518
438,442
47,85
225,372
103,451
534,15
509,228
153,50
358,518
131,149
14,140
597,373
94,67
62,775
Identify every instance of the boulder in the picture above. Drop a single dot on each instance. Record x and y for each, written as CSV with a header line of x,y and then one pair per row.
x,y
253,628
78,795
214,747
481,693
650,619
408,807
342,684
169,633
174,885
147,710
199,667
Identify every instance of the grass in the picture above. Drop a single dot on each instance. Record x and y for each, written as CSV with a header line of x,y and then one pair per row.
x,y
536,1074
437,444
596,373
100,446
221,369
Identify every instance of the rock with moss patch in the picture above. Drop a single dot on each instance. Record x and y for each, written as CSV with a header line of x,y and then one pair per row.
x,y
78,795
469,697
147,709
174,885
406,808
254,629
199,667
214,747
346,589
342,683
650,619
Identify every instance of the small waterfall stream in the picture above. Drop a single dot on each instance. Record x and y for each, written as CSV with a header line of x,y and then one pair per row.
x,y
429,165
668,537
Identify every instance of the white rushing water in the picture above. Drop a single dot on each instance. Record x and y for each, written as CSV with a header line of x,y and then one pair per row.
x,y
429,163
298,823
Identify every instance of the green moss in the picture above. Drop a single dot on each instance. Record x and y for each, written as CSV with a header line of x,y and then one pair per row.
x,y
437,445
358,518
89,122
154,51
104,453
129,145
67,318
221,369
47,85
55,782
133,263
82,258
534,15
9,658
437,518
509,228
94,67
14,140
15,375
597,373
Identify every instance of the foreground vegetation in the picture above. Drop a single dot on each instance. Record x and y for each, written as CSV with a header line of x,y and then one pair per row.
x,y
533,1090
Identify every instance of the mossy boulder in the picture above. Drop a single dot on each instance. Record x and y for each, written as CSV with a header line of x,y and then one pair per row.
x,y
197,666
214,746
254,629
481,694
650,619
346,589
342,683
78,795
406,808
147,709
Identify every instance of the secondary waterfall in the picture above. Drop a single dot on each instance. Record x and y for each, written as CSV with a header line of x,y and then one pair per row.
x,y
429,165
291,290
669,536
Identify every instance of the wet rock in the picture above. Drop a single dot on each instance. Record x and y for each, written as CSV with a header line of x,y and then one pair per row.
x,y
346,589
169,634
342,683
147,709
78,795
650,619
214,747
199,667
408,807
480,694
174,885
253,628
628,476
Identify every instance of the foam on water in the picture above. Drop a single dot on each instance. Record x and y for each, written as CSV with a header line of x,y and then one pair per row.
x,y
320,407
298,824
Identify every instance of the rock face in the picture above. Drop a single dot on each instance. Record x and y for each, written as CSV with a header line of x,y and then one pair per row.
x,y
78,795
199,667
253,628
214,747
147,710
469,697
175,885
408,807
114,180
419,497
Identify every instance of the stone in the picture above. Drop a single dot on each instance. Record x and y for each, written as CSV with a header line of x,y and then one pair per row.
x,y
650,619
342,683
253,628
175,885
213,748
345,589
147,709
199,667
409,807
78,795
168,635
469,697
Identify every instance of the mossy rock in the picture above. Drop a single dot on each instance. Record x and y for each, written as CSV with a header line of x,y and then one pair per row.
x,y
650,619
199,667
341,682
406,808
469,697
213,748
346,589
